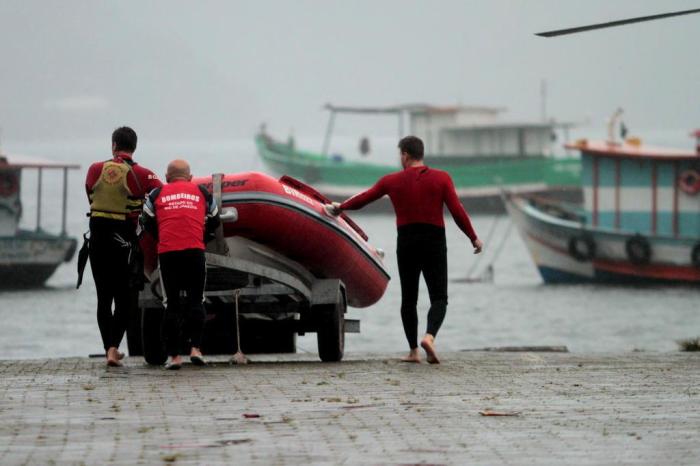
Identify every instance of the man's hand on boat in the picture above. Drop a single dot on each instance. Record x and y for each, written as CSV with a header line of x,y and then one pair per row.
x,y
333,209
478,246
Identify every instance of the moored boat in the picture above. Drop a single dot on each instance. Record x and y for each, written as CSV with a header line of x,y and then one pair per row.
x,y
29,257
482,154
640,220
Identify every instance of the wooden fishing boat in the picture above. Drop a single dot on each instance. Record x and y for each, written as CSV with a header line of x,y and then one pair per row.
x,y
29,257
482,154
640,220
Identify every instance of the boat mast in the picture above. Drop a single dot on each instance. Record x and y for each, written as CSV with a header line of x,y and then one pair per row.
x,y
329,130
543,99
64,207
38,198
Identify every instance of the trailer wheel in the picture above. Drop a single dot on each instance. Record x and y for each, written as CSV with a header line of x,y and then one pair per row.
x,y
151,338
331,329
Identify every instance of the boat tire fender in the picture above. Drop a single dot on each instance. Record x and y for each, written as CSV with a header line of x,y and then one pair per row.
x,y
695,256
582,248
638,250
689,182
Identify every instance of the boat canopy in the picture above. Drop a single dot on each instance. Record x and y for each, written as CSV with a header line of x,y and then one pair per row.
x,y
414,109
631,150
23,161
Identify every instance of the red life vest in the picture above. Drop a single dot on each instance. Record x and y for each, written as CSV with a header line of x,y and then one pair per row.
x,y
181,210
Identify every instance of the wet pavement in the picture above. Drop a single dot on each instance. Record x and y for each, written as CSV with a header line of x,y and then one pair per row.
x,y
628,408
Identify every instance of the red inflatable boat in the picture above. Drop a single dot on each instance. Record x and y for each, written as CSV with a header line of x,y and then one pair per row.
x,y
289,217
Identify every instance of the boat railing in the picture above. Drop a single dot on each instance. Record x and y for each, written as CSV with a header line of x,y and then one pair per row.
x,y
556,208
40,167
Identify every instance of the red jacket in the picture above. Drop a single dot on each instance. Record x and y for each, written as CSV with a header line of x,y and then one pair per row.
x,y
181,210
140,181
418,195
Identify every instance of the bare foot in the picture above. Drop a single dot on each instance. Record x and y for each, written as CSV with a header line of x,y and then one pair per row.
x,y
113,359
196,357
174,364
428,344
413,356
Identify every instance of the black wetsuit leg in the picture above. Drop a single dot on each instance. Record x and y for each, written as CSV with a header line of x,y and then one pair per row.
x,y
422,248
434,267
110,244
183,271
409,274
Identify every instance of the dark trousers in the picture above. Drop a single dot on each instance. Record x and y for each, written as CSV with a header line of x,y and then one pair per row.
x,y
422,248
183,272
110,246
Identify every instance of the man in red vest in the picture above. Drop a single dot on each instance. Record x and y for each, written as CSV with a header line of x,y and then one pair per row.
x,y
178,215
116,189
418,194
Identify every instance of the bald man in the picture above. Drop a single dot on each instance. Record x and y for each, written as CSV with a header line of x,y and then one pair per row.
x,y
178,215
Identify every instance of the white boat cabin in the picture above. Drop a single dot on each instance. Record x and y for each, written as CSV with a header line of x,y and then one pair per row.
x,y
461,131
473,131
640,189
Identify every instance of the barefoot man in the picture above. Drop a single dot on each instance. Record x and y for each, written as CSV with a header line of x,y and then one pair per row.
x,y
115,189
178,215
418,194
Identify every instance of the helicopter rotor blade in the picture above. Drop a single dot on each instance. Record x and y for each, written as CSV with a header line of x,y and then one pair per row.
x,y
622,22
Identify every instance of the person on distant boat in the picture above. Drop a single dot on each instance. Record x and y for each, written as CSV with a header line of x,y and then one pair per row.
x,y
116,189
180,215
418,194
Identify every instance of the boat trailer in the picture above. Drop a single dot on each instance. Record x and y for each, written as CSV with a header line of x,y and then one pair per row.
x,y
255,293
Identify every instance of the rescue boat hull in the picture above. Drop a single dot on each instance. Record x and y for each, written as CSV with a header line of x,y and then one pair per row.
x,y
289,217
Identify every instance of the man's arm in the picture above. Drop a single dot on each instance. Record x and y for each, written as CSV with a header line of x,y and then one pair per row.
x,y
459,214
360,200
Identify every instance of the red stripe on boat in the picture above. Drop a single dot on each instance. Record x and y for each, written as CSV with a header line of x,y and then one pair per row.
x,y
654,271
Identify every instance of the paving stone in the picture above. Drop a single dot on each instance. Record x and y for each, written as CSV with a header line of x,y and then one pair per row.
x,y
634,408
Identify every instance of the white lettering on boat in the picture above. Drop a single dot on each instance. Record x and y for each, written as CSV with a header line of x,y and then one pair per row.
x,y
294,193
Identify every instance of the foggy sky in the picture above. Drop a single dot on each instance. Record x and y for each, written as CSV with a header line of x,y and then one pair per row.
x,y
217,69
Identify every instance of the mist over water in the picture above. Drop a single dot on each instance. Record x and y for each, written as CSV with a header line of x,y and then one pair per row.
x,y
515,309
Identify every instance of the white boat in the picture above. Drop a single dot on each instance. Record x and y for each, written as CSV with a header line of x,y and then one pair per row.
x,y
640,221
29,257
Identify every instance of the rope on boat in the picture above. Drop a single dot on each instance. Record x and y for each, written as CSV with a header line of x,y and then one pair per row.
x,y
239,357
487,273
479,257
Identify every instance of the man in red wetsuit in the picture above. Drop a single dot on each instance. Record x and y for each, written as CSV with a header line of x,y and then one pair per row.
x,y
116,189
179,215
418,194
